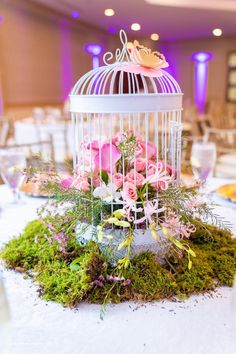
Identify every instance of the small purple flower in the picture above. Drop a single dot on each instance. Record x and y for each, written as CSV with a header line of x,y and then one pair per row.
x,y
48,239
98,283
127,282
111,278
50,226
36,239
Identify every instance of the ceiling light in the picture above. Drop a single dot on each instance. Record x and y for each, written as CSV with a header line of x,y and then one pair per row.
x,y
109,12
217,32
226,5
135,26
154,37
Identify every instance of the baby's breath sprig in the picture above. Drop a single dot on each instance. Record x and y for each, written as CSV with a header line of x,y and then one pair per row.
x,y
128,146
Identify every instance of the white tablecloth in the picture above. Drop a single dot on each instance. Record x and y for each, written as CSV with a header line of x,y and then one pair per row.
x,y
199,325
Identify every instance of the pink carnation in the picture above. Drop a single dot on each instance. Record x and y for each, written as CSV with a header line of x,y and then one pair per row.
x,y
93,145
107,157
129,192
135,178
117,178
66,182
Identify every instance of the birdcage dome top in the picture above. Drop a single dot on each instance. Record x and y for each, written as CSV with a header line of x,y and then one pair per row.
x,y
131,80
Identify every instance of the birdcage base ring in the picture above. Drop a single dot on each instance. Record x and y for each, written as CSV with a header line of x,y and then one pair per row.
x,y
143,241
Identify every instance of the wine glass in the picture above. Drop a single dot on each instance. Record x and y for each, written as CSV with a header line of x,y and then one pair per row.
x,y
203,159
12,163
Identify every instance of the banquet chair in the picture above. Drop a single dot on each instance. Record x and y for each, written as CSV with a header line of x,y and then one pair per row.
x,y
222,115
187,142
37,151
37,131
225,140
4,130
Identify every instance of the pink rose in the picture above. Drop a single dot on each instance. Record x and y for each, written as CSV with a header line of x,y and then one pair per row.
x,y
81,184
138,137
66,182
84,186
151,169
161,185
140,164
117,178
96,180
171,171
108,156
139,150
135,178
148,150
129,192
118,138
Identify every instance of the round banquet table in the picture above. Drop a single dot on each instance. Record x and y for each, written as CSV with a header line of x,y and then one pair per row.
x,y
202,324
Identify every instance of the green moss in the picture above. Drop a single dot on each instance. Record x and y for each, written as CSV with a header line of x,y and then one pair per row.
x,y
59,282
69,278
24,252
196,280
149,279
219,250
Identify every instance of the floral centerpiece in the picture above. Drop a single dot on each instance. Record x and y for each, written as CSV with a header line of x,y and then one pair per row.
x,y
133,195
121,226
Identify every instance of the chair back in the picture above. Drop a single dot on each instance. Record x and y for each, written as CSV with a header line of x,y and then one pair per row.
x,y
4,130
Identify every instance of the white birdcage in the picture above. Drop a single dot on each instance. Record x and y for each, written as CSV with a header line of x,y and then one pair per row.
x,y
132,95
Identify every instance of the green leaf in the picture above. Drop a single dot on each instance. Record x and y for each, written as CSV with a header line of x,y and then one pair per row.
x,y
74,267
152,228
122,245
122,223
190,251
105,177
119,213
127,263
111,220
190,263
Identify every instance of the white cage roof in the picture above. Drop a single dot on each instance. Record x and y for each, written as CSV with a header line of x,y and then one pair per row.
x,y
135,82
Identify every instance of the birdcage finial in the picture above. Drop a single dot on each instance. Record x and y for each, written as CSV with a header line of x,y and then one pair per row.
x,y
120,54
136,58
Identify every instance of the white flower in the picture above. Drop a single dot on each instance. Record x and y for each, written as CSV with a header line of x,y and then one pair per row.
x,y
107,193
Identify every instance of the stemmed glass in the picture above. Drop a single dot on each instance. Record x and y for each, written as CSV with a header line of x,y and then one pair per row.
x,y
203,159
12,164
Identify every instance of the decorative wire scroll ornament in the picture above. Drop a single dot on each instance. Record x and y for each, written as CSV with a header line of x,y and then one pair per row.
x,y
136,58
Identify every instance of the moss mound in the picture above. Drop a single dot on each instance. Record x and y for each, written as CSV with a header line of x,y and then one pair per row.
x,y
81,273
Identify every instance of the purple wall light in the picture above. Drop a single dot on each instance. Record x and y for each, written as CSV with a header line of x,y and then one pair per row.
x,y
95,50
200,78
